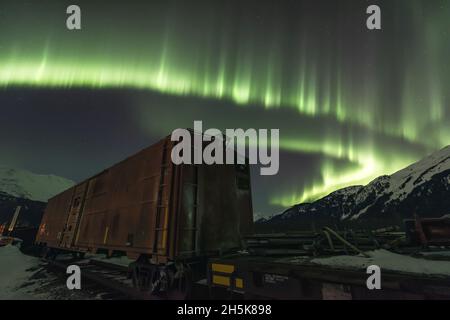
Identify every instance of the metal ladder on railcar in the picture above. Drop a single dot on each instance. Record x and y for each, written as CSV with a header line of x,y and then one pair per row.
x,y
74,214
161,208
162,212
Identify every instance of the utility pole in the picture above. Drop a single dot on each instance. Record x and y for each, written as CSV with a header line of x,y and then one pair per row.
x,y
14,220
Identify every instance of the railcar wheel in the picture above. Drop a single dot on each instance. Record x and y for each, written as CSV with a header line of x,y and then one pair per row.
x,y
49,253
181,284
78,255
44,252
171,282
141,273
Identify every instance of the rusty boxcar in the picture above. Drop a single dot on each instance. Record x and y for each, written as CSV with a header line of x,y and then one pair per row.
x,y
166,217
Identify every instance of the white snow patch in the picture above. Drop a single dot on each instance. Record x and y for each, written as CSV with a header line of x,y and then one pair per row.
x,y
122,261
404,181
16,269
24,277
356,216
259,216
387,260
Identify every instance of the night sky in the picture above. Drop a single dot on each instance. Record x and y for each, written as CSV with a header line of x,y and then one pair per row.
x,y
351,104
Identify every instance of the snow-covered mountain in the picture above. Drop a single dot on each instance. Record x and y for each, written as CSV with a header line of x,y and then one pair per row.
x,y
24,184
30,213
260,217
422,188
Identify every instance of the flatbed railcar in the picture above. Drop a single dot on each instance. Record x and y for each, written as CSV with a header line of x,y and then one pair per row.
x,y
311,265
291,278
168,218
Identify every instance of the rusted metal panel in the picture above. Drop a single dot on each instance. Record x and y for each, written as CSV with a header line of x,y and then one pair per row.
x,y
428,231
147,205
54,219
91,231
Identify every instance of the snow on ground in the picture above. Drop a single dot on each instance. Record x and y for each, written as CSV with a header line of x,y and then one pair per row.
x,y
387,260
24,277
122,261
16,269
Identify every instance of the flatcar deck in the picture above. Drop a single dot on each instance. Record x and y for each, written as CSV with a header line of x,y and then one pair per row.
x,y
306,278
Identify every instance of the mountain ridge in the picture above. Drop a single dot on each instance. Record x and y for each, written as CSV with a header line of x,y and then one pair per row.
x,y
27,185
421,188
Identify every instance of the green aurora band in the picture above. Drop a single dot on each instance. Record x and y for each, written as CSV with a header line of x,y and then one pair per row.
x,y
400,95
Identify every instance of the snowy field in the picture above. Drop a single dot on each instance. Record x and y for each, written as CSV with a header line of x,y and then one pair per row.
x,y
24,277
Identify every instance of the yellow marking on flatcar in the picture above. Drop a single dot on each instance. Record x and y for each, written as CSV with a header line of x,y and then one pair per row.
x,y
239,283
224,281
223,268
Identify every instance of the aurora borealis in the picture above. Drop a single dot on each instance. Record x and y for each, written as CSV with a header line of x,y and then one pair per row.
x,y
351,104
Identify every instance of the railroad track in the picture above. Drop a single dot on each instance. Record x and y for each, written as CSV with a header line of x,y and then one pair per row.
x,y
111,276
